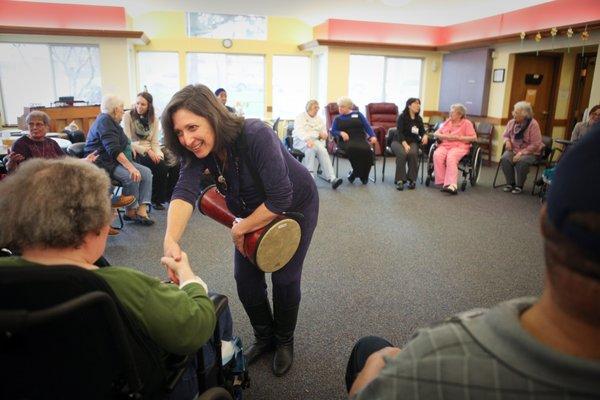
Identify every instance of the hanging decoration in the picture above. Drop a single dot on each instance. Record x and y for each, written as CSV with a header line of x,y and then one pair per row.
x,y
553,33
570,36
538,39
522,35
585,35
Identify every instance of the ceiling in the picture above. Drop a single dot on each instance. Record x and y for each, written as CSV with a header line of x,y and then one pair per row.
x,y
313,12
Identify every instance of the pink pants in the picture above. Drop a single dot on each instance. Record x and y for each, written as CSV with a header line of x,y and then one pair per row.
x,y
445,164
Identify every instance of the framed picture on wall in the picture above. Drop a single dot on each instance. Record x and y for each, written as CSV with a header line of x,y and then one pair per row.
x,y
498,75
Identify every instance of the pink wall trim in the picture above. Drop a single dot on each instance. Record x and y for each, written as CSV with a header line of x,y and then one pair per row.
x,y
51,15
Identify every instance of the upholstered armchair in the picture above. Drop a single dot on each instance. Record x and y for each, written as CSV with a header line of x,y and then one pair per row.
x,y
381,117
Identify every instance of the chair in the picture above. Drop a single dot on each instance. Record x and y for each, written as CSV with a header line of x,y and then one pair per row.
x,y
64,334
434,122
485,136
543,160
469,166
381,117
388,152
289,142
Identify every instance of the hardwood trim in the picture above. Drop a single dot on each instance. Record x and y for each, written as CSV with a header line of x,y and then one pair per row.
x,y
371,45
577,28
490,120
32,30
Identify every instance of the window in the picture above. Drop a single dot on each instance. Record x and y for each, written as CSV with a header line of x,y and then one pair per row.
x,y
243,77
159,75
376,79
226,26
291,85
37,74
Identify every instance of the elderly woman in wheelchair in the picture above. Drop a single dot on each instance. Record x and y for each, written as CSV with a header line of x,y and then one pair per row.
x,y
454,142
66,223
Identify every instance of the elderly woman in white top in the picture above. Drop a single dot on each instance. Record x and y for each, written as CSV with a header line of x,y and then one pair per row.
x,y
310,136
141,127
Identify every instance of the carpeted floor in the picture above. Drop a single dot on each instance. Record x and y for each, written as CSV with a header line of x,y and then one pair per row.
x,y
382,262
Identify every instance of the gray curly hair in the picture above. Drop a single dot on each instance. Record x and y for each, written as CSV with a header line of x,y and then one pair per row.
x,y
53,204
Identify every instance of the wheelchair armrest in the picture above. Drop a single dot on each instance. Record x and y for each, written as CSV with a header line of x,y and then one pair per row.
x,y
219,301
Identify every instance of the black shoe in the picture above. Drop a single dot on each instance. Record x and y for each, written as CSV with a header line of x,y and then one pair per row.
x,y
285,324
158,206
364,180
336,183
400,185
351,177
261,319
411,185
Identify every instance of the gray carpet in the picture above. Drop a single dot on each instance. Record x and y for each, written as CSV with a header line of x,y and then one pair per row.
x,y
382,262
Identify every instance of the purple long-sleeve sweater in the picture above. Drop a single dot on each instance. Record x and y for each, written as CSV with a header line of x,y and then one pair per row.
x,y
288,186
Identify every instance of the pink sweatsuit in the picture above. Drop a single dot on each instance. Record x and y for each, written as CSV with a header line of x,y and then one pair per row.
x,y
449,153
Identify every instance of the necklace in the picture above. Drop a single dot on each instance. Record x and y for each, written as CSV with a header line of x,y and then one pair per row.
x,y
221,182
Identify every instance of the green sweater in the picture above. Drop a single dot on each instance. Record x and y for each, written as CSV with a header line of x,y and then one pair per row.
x,y
179,321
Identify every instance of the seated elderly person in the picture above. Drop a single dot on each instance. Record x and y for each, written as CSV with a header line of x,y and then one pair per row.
x,y
310,136
355,136
35,143
455,138
525,348
107,138
69,226
523,141
581,128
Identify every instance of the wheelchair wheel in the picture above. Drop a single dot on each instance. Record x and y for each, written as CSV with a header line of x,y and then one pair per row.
x,y
477,160
430,171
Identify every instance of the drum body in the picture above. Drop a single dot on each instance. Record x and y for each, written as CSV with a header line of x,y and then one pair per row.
x,y
269,248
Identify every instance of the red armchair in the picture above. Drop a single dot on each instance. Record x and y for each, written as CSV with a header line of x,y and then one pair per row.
x,y
381,117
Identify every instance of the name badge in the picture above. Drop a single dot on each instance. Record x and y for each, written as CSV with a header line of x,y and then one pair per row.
x,y
354,116
414,130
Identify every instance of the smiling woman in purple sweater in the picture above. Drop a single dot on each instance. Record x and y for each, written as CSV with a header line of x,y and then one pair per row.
x,y
199,128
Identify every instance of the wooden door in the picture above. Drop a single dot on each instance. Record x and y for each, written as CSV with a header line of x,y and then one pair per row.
x,y
534,80
582,88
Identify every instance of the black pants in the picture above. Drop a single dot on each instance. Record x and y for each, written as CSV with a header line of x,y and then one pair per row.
x,y
358,358
161,185
360,154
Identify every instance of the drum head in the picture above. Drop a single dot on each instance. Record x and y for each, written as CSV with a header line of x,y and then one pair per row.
x,y
278,245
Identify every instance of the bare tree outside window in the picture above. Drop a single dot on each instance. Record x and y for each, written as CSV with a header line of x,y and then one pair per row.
x,y
77,72
223,26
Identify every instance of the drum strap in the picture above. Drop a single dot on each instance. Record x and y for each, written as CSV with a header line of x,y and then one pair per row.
x,y
241,147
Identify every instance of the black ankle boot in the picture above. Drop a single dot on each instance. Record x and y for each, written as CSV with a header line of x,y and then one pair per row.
x,y
285,324
261,319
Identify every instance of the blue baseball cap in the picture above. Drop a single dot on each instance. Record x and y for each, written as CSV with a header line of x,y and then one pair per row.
x,y
575,188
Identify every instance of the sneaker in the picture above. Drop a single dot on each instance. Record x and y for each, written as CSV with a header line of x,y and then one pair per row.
x,y
351,177
400,185
123,201
411,185
364,180
517,190
508,188
335,183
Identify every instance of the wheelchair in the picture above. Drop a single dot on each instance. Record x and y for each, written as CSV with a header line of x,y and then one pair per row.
x,y
469,166
65,335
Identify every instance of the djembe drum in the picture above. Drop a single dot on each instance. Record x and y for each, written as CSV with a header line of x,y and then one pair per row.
x,y
269,248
